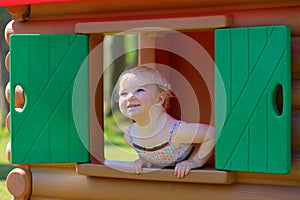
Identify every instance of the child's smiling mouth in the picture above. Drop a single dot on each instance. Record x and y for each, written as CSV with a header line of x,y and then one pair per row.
x,y
133,105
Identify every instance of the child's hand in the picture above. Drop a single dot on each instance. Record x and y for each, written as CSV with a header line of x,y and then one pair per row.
x,y
136,166
182,170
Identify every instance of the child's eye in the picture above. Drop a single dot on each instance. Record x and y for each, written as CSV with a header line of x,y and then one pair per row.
x,y
122,94
140,90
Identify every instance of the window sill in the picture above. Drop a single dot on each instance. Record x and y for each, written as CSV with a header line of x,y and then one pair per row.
x,y
118,169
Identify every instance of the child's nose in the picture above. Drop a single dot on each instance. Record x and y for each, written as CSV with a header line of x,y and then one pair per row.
x,y
131,96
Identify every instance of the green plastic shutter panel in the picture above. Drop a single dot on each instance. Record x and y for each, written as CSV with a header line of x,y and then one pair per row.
x,y
252,64
53,126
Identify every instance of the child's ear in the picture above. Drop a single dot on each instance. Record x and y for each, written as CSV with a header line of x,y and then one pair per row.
x,y
161,98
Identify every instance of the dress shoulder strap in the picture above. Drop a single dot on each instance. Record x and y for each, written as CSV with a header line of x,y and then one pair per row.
x,y
172,130
129,135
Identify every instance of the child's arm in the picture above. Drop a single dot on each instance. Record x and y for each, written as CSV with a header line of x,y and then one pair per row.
x,y
205,152
197,133
193,133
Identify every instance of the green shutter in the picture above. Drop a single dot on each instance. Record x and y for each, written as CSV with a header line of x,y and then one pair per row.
x,y
53,127
251,64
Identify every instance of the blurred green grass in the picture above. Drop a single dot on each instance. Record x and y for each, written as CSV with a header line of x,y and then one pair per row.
x,y
5,166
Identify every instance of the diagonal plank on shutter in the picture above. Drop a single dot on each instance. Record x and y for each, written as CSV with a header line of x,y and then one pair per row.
x,y
252,124
43,130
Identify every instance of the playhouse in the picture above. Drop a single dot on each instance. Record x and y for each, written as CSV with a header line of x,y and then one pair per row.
x,y
240,60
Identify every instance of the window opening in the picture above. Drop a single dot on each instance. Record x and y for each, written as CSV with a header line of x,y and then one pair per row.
x,y
177,68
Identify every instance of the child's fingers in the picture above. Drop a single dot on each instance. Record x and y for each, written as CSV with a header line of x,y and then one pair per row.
x,y
136,166
184,172
178,170
187,171
149,164
181,171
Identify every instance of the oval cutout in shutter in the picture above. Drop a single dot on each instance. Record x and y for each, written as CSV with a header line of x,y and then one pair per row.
x,y
278,100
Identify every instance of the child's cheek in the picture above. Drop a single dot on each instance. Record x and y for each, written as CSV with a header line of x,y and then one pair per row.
x,y
122,105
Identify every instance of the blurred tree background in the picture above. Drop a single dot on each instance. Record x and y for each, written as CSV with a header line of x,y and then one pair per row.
x,y
4,76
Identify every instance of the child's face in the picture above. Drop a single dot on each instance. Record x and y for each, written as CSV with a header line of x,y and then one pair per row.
x,y
137,96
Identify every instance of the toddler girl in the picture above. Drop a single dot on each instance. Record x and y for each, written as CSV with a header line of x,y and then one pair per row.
x,y
158,138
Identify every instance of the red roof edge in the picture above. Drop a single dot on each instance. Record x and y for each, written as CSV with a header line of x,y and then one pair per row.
x,y
27,2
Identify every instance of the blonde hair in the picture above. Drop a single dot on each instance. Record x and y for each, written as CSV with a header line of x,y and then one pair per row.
x,y
153,77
